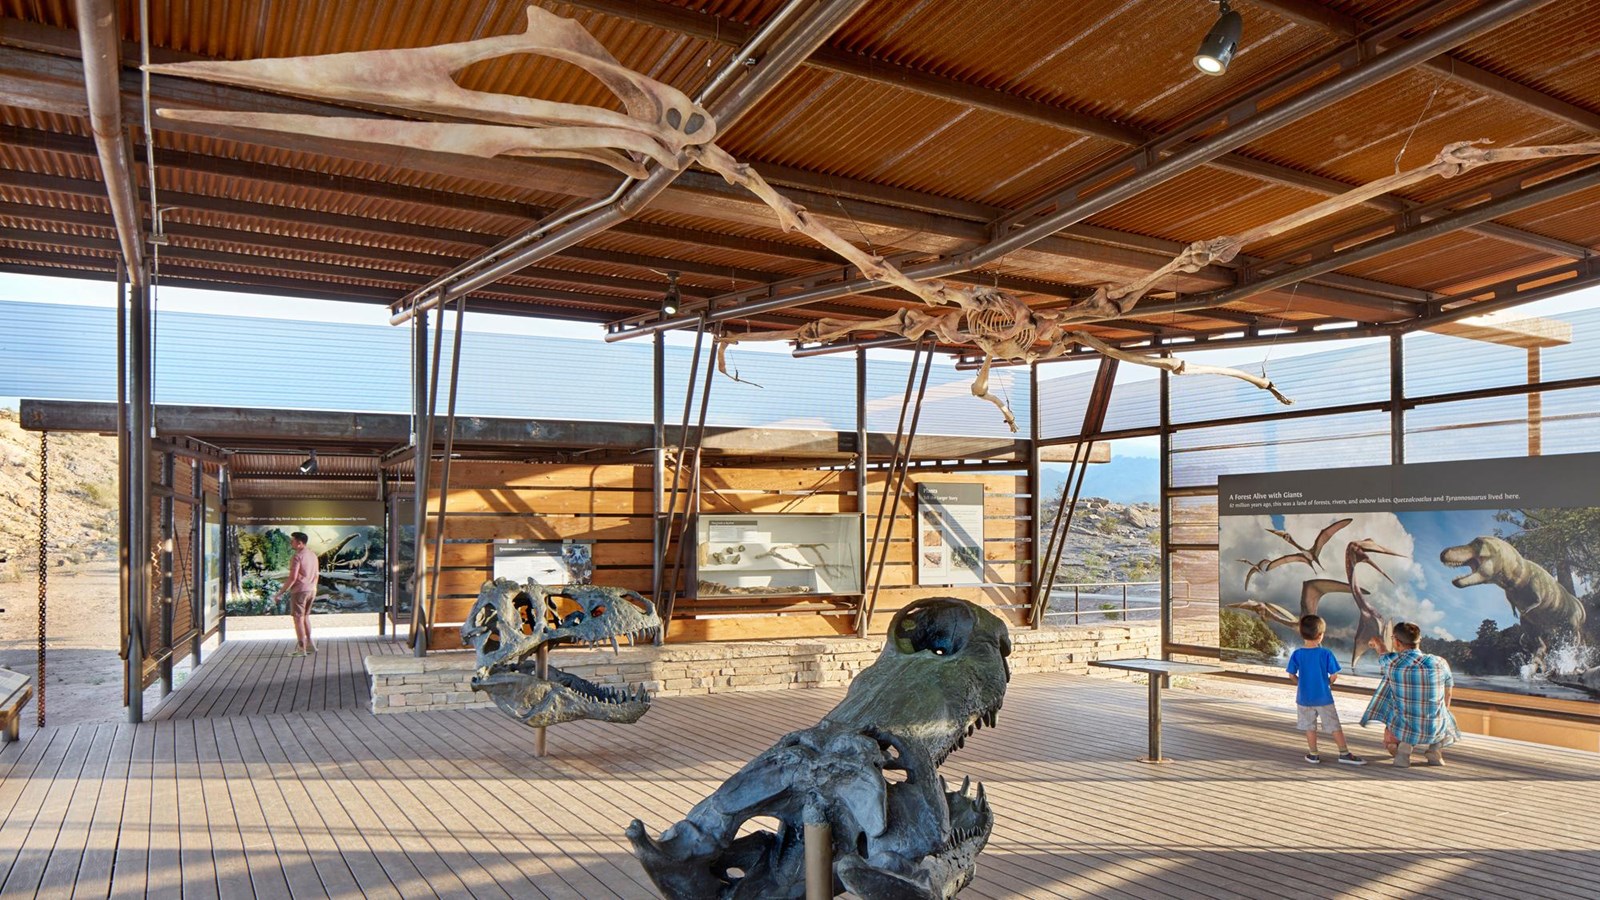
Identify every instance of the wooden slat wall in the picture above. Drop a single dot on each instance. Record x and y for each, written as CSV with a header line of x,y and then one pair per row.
x,y
611,506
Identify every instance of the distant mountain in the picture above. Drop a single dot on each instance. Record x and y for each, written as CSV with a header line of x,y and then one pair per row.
x,y
1125,479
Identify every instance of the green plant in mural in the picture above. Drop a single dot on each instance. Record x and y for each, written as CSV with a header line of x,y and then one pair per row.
x,y
1564,541
1241,631
267,551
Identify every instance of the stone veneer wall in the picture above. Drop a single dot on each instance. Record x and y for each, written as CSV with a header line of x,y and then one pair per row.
x,y
442,680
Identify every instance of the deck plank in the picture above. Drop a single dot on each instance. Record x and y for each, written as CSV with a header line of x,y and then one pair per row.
x,y
267,776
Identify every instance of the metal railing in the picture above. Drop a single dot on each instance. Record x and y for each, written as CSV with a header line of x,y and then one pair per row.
x,y
1112,599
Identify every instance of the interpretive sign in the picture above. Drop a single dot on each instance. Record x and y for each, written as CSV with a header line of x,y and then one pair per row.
x,y
548,563
949,533
1497,560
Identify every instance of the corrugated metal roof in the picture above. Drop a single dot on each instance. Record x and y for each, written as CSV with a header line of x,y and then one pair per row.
x,y
1124,62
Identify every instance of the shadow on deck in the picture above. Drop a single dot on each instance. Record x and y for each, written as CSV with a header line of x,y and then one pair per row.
x,y
265,776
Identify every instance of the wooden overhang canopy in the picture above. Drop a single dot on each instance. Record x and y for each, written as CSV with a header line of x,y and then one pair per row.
x,y
923,129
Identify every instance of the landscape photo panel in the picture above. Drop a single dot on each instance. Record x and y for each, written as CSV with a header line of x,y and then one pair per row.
x,y
1497,560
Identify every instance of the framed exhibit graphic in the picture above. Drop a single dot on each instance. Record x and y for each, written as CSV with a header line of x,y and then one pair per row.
x,y
546,562
346,535
1497,560
949,533
211,564
777,554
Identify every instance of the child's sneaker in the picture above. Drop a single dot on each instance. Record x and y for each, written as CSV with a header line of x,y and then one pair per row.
x,y
1350,759
1313,758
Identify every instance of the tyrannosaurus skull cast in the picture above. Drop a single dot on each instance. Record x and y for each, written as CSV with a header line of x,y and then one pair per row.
x,y
942,674
510,622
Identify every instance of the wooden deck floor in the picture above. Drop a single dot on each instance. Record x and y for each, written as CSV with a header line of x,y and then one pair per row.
x,y
278,796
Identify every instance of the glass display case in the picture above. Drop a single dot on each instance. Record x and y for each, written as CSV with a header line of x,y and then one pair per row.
x,y
776,554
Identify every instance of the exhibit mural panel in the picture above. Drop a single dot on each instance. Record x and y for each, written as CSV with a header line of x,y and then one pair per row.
x,y
949,533
1498,561
346,535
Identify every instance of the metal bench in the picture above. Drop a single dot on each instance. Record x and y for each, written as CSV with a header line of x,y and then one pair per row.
x,y
16,690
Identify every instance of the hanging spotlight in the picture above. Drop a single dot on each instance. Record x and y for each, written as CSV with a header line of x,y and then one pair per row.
x,y
309,467
669,302
1217,50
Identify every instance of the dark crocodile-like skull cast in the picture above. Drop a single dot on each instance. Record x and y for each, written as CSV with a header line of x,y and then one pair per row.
x,y
511,621
942,674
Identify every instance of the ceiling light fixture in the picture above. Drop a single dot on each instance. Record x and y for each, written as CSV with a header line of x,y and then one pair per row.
x,y
1217,50
669,302
309,467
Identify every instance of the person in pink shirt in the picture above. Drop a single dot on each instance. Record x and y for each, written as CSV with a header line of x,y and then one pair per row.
x,y
301,586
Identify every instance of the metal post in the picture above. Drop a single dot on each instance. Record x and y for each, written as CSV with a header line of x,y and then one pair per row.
x,y
227,564
863,460
169,512
819,861
1397,399
197,563
449,444
1165,516
137,475
421,451
541,663
1155,717
1041,591
658,464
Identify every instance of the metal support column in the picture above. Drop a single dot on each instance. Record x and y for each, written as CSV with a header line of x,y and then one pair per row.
x,y
895,479
449,444
658,466
136,474
421,449
863,460
164,558
1397,399
1165,561
197,562
1040,598
1094,419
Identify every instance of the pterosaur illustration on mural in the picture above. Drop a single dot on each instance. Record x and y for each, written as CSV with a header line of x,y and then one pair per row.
x,y
659,126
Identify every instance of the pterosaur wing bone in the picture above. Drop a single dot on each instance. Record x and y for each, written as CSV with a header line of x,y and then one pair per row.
x,y
597,144
1290,558
419,79
1312,590
1325,535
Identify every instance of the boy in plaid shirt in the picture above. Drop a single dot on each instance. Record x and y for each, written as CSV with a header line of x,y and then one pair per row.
x,y
1413,701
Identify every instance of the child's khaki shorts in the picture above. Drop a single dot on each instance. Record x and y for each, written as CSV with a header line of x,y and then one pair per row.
x,y
1318,718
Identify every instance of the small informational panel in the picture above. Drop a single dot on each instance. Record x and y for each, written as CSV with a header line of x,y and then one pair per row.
x,y
777,554
1495,560
949,533
211,564
547,563
347,537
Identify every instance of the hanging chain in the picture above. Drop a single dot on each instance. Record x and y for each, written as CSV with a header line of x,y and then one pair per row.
x,y
44,559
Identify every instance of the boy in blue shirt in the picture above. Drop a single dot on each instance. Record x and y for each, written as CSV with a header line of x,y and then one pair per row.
x,y
1314,670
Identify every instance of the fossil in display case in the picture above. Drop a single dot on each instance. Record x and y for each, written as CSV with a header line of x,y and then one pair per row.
x,y
771,554
714,589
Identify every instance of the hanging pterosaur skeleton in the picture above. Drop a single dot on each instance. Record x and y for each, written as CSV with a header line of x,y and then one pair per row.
x,y
661,124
